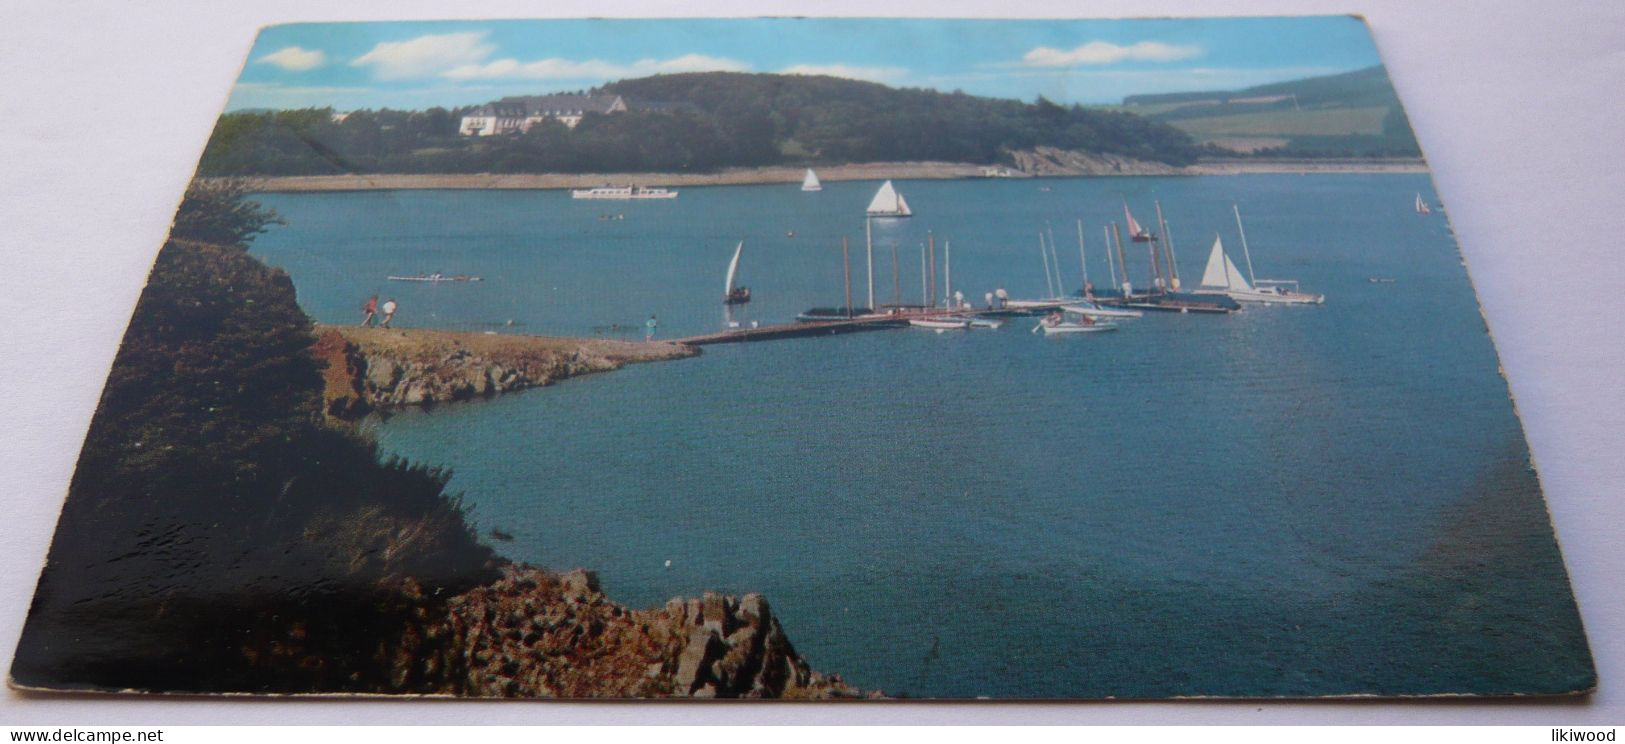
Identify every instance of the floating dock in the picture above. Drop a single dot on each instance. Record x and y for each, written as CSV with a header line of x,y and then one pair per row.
x,y
796,330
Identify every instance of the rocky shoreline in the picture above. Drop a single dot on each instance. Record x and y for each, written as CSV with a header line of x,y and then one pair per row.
x,y
536,634
1040,162
378,368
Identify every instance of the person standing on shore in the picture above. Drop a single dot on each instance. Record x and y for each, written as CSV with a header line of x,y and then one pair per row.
x,y
389,311
371,310
649,328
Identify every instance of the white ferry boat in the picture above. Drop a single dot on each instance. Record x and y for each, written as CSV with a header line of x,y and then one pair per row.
x,y
623,193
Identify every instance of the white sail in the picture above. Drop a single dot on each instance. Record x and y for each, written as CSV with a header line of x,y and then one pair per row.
x,y
810,182
1221,272
888,203
733,269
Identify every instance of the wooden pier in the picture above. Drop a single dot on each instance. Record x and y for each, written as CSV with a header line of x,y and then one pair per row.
x,y
795,330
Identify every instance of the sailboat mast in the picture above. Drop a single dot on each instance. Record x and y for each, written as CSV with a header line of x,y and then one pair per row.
x,y
1111,264
1082,259
869,252
896,282
925,298
1156,265
931,240
1049,286
1244,252
948,272
846,265
1122,260
1167,247
1055,257
1168,234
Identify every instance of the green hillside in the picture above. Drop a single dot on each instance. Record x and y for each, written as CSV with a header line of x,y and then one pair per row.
x,y
697,122
1352,114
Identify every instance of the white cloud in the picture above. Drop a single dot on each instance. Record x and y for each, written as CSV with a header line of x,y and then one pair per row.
x,y
295,59
872,74
556,68
425,56
1106,53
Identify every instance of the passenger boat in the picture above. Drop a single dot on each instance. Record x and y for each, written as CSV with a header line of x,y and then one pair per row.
x,y
810,182
889,203
435,277
623,193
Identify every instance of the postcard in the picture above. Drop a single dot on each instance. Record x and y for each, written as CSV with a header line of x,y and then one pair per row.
x,y
815,359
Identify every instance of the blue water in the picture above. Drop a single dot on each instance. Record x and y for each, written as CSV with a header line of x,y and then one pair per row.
x,y
1286,501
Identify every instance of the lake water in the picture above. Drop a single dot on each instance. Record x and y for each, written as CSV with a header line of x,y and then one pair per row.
x,y
1286,501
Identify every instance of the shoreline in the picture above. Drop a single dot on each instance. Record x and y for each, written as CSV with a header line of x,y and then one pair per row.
x,y
369,368
1109,168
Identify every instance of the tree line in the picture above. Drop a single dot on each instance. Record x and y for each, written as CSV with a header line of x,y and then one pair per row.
x,y
703,122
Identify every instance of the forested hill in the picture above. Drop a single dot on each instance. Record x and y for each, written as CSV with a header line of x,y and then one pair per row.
x,y
1350,114
696,122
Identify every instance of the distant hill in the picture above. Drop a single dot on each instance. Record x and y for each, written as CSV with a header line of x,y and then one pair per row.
x,y
695,122
1351,114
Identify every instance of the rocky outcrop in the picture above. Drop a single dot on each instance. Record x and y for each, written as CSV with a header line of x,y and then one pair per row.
x,y
1052,161
371,368
533,633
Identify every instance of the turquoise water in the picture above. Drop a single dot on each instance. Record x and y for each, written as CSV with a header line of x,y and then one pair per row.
x,y
1286,501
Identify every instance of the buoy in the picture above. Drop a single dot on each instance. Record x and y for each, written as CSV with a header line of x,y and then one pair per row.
x,y
668,563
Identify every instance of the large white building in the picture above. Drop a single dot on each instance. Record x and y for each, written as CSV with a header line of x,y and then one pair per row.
x,y
520,113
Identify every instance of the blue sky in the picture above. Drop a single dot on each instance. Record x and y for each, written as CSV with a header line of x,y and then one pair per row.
x,y
415,65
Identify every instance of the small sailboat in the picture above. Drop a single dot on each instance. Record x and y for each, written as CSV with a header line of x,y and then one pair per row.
x,y
1136,233
1422,207
889,203
810,182
735,295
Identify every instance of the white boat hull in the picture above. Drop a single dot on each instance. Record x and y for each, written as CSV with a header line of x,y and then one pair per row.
x,y
1266,297
1065,328
939,325
1096,311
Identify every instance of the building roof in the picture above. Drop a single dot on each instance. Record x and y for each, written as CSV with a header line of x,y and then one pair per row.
x,y
555,105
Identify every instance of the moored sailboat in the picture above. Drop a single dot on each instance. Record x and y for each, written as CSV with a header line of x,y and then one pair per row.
x,y
1221,277
810,182
889,203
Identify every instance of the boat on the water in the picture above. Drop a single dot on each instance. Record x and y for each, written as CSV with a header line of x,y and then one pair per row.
x,y
435,278
810,182
940,323
1422,207
1097,310
735,295
1221,277
1136,233
1058,322
889,203
623,193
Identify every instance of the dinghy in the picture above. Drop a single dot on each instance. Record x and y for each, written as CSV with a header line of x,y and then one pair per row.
x,y
810,182
1057,323
889,203
940,323
1422,207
